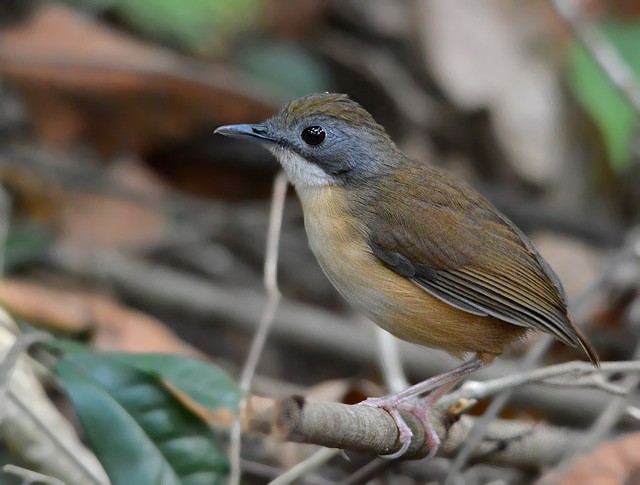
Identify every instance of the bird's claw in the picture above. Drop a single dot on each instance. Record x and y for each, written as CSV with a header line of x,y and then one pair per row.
x,y
405,434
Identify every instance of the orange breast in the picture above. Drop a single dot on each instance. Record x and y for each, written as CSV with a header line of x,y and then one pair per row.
x,y
338,241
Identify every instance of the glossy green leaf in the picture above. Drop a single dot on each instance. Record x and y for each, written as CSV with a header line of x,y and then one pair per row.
x,y
201,381
138,430
611,112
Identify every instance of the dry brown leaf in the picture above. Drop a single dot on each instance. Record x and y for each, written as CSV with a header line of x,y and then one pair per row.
x,y
612,463
123,329
55,310
82,80
115,327
88,220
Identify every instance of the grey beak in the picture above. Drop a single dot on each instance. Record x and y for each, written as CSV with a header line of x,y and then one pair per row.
x,y
244,131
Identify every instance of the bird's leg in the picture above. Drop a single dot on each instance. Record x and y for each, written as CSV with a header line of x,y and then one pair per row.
x,y
421,409
436,386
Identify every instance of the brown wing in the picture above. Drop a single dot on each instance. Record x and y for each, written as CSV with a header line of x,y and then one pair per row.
x,y
455,245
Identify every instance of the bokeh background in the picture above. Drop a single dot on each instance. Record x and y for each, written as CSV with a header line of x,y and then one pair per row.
x,y
127,226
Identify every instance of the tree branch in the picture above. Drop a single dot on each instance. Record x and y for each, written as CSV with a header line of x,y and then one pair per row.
x,y
372,430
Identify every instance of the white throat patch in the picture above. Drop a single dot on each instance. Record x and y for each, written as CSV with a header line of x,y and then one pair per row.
x,y
300,172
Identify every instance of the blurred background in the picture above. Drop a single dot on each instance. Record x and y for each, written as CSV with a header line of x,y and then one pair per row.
x,y
128,226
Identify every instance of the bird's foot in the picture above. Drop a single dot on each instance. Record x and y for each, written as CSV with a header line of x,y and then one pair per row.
x,y
393,406
421,409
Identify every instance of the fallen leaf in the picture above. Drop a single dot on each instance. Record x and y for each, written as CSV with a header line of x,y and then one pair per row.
x,y
613,462
81,80
114,326
55,310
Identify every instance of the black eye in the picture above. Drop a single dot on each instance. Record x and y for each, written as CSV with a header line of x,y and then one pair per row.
x,y
313,135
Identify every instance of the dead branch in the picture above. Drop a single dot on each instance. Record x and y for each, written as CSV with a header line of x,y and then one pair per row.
x,y
371,430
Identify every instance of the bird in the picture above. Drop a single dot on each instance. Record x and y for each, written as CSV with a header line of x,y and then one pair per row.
x,y
419,252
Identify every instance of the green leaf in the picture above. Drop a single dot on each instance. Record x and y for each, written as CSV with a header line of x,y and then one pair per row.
x,y
200,26
138,430
66,346
26,242
611,112
202,381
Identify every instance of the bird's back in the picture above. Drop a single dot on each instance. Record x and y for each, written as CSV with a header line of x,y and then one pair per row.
x,y
448,240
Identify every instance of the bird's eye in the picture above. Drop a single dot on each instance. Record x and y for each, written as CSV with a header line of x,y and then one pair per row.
x,y
313,135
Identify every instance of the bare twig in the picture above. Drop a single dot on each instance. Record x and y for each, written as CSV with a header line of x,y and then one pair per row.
x,y
607,57
617,406
29,476
593,381
633,411
482,425
390,361
481,390
316,460
22,343
607,419
260,337
5,215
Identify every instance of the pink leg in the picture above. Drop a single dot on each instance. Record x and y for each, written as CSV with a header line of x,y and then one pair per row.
x,y
437,387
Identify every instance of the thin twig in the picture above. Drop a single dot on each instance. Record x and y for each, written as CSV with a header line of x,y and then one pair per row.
x,y
316,460
633,411
607,419
5,215
481,390
260,337
10,359
479,430
616,406
390,361
607,57
29,476
593,381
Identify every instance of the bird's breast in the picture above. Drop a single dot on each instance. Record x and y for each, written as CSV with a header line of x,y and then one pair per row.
x,y
339,240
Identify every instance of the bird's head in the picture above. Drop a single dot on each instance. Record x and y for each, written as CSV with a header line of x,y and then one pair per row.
x,y
324,139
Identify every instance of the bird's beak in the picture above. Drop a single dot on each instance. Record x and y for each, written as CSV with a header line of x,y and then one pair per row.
x,y
244,131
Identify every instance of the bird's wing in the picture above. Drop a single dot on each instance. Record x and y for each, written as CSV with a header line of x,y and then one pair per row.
x,y
455,245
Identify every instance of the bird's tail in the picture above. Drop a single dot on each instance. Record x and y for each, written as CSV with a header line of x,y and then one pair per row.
x,y
585,345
